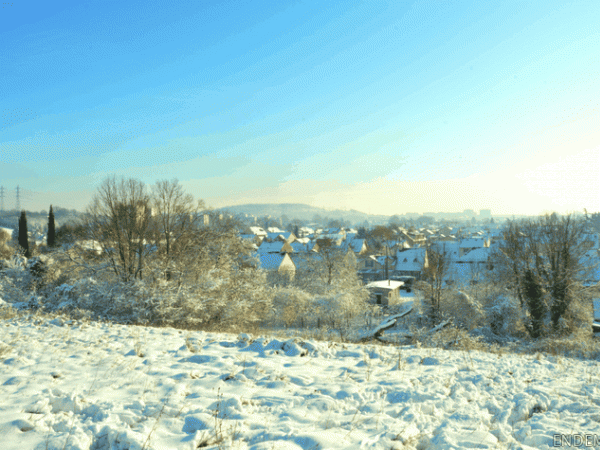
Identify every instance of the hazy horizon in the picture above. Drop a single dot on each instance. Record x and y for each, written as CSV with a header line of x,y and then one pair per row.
x,y
381,107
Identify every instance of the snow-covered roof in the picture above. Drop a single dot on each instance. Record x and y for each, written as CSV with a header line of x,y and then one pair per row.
x,y
411,259
476,255
258,231
270,261
355,244
333,237
285,235
472,243
385,284
299,247
381,260
271,247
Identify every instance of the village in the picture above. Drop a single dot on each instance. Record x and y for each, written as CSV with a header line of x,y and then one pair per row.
x,y
388,259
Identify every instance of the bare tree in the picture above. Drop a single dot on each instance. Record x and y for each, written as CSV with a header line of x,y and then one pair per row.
x,y
434,273
119,219
175,218
332,266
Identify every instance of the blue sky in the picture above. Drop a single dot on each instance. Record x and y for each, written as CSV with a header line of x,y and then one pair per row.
x,y
384,107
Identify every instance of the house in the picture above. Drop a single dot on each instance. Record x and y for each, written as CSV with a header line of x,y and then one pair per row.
x,y
466,245
350,235
385,292
275,247
410,262
277,262
305,231
413,238
449,248
281,236
358,246
371,268
302,245
258,231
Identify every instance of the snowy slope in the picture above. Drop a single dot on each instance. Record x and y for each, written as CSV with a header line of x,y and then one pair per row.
x,y
99,386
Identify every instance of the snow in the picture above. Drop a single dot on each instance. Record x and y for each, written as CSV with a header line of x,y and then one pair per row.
x,y
387,284
66,384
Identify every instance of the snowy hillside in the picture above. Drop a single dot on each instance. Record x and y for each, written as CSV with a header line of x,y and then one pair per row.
x,y
71,385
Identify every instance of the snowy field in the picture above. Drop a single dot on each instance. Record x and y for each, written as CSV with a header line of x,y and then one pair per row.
x,y
70,385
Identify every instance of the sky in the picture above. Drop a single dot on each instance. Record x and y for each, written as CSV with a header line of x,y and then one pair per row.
x,y
384,107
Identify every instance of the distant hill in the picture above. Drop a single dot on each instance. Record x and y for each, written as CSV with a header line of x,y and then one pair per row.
x,y
302,212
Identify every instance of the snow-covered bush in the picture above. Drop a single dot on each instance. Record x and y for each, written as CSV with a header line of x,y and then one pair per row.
x,y
338,310
579,344
240,298
449,337
15,280
464,311
292,306
504,315
578,316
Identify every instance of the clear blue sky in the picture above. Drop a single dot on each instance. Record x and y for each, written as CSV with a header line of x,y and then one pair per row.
x,y
384,107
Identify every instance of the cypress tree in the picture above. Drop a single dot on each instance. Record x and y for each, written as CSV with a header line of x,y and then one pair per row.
x,y
535,303
23,241
51,238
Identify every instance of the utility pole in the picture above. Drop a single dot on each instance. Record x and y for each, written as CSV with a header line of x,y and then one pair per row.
x,y
1,198
18,199
386,274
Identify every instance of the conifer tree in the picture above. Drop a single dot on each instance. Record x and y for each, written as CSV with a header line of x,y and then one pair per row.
x,y
23,241
51,238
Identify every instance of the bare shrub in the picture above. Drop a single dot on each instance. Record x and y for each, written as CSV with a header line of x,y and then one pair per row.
x,y
449,337
580,344
463,309
292,306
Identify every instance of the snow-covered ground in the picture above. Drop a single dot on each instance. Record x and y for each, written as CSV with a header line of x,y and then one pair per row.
x,y
70,385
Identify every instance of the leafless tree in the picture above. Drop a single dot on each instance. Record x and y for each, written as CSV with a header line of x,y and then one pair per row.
x,y
331,266
434,273
119,220
176,220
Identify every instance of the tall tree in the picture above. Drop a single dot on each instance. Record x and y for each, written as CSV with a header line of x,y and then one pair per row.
x,y
51,238
434,272
23,240
552,251
176,219
119,219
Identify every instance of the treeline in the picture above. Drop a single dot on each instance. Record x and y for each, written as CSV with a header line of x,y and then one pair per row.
x,y
539,281
143,254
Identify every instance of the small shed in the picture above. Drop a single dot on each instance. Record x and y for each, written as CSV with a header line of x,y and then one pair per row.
x,y
385,292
